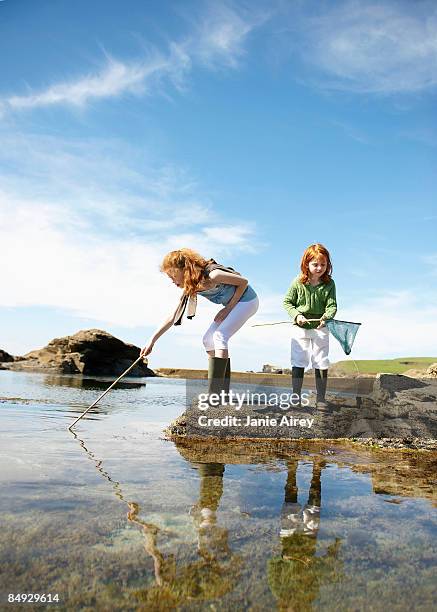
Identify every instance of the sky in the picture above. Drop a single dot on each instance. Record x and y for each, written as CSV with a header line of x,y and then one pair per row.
x,y
244,130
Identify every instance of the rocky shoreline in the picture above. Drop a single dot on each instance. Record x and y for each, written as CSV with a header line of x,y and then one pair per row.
x,y
400,412
388,411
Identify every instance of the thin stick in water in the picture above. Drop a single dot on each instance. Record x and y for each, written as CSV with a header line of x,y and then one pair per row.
x,y
105,392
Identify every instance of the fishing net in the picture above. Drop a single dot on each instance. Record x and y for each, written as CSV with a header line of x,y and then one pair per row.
x,y
344,332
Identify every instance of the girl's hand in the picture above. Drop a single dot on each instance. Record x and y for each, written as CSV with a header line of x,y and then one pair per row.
x,y
221,315
301,320
146,350
322,323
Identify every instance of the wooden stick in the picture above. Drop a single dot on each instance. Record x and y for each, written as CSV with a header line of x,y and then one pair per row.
x,y
279,323
105,392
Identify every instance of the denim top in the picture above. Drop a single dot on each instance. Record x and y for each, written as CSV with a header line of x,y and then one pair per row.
x,y
222,294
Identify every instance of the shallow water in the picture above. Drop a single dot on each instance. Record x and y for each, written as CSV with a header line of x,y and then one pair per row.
x,y
116,517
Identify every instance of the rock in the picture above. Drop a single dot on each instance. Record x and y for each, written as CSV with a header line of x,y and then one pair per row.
x,y
387,385
271,369
90,351
5,357
414,373
431,372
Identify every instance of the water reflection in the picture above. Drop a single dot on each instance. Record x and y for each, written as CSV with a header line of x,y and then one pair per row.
x,y
204,579
99,467
212,538
211,576
296,575
327,526
82,382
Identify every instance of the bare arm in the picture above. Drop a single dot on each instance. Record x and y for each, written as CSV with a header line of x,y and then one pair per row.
x,y
158,333
231,279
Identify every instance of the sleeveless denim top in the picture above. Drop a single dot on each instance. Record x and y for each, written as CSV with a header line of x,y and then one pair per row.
x,y
222,294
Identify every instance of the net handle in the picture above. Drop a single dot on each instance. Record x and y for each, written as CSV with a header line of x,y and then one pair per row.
x,y
281,323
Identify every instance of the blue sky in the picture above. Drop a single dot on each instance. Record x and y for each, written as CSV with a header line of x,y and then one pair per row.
x,y
244,130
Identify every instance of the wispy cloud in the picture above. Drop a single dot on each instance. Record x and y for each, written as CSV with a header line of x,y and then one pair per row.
x,y
114,79
221,35
370,47
102,182
217,39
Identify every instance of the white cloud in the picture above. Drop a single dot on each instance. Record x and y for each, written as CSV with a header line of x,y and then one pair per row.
x,y
217,39
395,324
376,47
105,183
222,33
230,236
114,79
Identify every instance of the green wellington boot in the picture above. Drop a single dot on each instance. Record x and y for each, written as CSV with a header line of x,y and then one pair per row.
x,y
297,375
227,380
321,383
216,374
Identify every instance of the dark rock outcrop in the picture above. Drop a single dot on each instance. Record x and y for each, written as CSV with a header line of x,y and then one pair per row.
x,y
89,352
5,357
387,385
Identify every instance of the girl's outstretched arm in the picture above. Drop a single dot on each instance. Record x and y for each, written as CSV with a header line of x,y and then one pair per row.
x,y
158,333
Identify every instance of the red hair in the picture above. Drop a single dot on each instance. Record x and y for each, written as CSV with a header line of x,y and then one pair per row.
x,y
191,263
315,251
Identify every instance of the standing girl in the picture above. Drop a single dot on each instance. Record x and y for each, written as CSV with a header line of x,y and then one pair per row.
x,y
198,276
311,296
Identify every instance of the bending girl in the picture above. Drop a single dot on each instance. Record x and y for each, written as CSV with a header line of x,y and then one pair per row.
x,y
198,276
311,296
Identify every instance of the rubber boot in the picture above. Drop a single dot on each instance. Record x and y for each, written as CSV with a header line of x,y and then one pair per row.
x,y
321,382
297,382
227,380
216,374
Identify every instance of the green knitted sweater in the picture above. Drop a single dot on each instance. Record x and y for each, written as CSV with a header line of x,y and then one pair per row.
x,y
312,302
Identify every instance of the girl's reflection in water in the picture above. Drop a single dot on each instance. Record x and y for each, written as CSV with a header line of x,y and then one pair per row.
x,y
296,576
212,539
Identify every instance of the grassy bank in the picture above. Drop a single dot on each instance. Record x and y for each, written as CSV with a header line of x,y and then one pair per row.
x,y
366,367
401,365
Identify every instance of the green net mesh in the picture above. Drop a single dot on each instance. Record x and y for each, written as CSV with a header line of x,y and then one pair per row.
x,y
344,332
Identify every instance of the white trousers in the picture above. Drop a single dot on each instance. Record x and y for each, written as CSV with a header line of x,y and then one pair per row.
x,y
217,335
309,348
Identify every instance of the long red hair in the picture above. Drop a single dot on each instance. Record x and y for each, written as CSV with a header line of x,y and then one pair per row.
x,y
191,263
315,251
